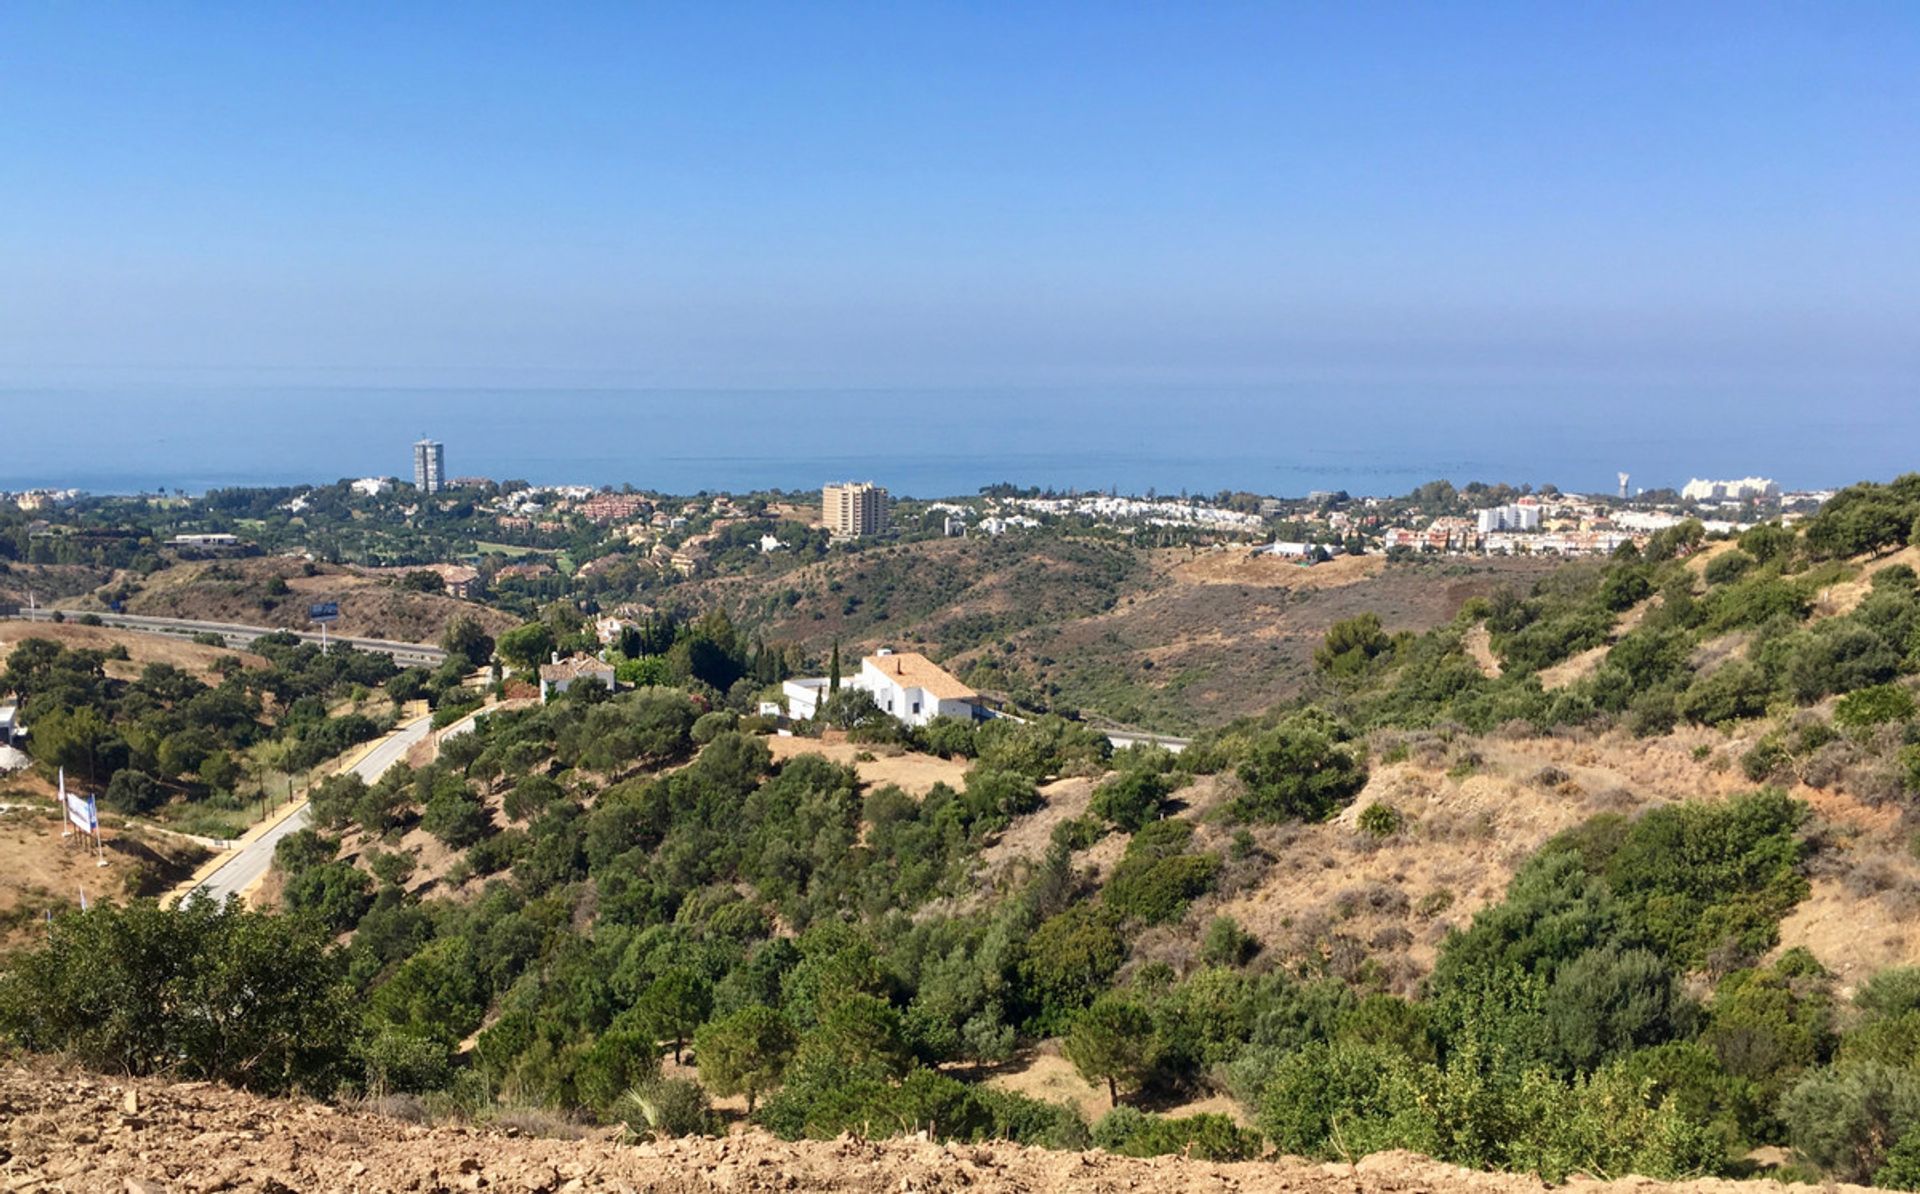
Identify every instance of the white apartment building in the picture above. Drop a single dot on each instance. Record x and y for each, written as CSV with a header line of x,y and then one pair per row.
x,y
1508,518
1746,488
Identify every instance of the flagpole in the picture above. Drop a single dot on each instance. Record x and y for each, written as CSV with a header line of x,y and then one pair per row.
x,y
66,817
99,847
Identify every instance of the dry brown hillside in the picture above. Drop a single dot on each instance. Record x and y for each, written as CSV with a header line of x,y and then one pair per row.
x,y
1329,898
142,649
1168,639
68,1130
42,871
1223,635
244,591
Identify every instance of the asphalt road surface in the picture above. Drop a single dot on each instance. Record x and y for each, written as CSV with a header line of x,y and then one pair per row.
x,y
238,636
250,861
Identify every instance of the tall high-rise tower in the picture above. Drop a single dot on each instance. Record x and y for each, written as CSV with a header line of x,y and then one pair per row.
x,y
429,466
854,509
1623,485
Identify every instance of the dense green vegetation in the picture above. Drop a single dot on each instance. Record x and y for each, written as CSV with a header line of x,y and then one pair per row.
x,y
167,736
1729,642
618,891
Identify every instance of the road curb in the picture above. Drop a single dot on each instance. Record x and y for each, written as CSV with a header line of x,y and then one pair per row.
x,y
268,824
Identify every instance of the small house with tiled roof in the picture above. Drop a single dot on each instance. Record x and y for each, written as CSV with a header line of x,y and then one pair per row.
x,y
560,675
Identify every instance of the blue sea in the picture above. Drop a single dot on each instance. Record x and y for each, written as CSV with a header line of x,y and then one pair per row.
x,y
1284,440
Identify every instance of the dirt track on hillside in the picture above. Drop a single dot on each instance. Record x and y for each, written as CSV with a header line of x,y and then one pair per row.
x,y
67,1130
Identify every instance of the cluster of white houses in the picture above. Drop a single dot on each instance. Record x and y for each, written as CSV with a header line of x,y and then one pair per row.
x,y
905,684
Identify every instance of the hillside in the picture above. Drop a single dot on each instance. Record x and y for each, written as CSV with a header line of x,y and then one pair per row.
x,y
1158,638
1644,913
142,649
277,593
40,871
72,1130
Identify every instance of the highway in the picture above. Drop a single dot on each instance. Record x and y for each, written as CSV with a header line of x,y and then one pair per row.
x,y
250,859
239,636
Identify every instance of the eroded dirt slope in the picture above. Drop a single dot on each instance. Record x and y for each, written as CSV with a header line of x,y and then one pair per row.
x,y
67,1130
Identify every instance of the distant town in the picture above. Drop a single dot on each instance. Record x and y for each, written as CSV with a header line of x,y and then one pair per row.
x,y
680,535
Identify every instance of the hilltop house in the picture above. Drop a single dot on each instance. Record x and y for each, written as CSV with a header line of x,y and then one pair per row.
x,y
558,676
905,684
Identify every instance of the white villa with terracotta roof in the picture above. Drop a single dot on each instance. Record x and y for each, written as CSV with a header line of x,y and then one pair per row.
x,y
558,676
905,684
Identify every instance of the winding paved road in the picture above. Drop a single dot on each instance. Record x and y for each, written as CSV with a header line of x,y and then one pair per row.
x,y
250,859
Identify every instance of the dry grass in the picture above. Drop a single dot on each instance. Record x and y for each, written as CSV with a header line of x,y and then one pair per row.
x,y
1237,566
237,591
40,869
914,773
1841,597
1479,647
141,648
1043,1073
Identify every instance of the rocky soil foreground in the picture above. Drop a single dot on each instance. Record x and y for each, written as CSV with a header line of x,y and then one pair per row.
x,y
68,1130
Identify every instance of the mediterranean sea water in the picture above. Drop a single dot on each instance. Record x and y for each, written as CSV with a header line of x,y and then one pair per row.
x,y
1282,440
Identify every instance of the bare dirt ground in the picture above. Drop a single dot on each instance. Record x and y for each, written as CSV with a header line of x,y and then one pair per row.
x,y
238,591
1237,566
143,648
40,870
1479,648
69,1130
914,773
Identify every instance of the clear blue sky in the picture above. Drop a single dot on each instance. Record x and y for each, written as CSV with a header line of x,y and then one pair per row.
x,y
970,194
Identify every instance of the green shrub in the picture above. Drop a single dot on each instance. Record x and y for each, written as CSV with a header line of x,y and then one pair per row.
x,y
1205,1137
1131,798
1352,645
1069,959
1901,1169
1874,706
1845,1119
399,1062
1737,689
1767,1026
1079,833
133,792
1380,820
1227,944
709,726
1728,567
142,990
1766,759
668,1107
1610,1001
1158,889
1303,768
